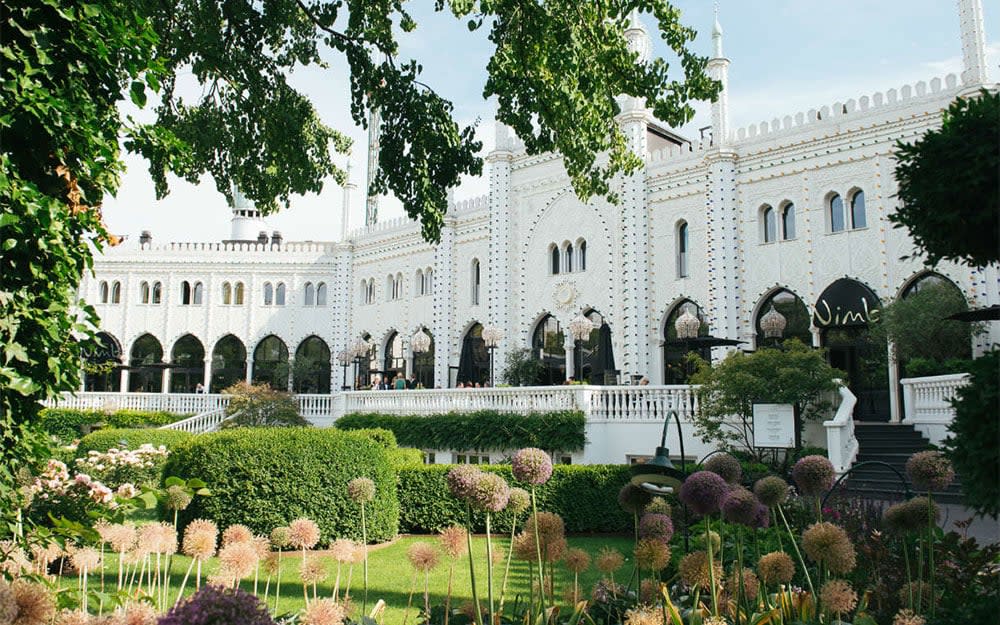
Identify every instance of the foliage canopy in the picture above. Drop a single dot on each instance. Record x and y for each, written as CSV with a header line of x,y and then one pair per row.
x,y
259,405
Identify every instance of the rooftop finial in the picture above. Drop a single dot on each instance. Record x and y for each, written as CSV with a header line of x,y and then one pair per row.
x,y
637,37
717,33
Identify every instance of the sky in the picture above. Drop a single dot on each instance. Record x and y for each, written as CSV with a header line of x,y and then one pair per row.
x,y
786,56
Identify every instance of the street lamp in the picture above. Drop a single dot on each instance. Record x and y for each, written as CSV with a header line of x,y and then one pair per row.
x,y
579,328
420,344
687,327
773,324
344,358
492,336
659,476
358,349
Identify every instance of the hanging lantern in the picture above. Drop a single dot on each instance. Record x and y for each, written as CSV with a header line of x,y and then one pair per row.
x,y
420,342
344,357
687,325
580,328
492,336
359,349
773,324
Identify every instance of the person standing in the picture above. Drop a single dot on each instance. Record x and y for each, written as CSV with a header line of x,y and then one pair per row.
x,y
399,383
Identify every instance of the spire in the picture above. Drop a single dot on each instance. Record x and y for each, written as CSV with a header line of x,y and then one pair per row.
x,y
374,141
718,69
638,38
345,209
970,15
717,34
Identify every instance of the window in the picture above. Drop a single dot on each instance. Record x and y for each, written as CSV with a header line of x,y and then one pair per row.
x,y
104,292
569,258
185,293
116,292
238,294
858,217
196,294
268,294
565,459
788,222
582,254
682,250
836,205
430,457
144,292
368,291
769,224
471,459
475,281
555,259
321,294
309,297
397,286
157,292
227,294
418,282
279,294
429,281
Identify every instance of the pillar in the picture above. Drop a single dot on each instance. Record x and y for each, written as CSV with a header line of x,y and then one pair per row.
x,y
165,381
970,16
442,322
123,388
499,286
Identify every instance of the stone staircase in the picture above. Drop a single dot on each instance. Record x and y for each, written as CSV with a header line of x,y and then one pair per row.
x,y
892,443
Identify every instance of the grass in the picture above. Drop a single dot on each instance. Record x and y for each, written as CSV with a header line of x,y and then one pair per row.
x,y
391,577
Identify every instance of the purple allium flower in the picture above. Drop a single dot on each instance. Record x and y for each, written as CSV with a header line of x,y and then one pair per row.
x,y
910,516
490,492
930,471
531,466
771,490
725,466
462,480
762,519
703,492
519,501
214,605
633,499
814,475
656,526
740,506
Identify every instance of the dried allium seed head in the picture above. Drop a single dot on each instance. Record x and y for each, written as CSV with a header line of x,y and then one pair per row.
x,y
920,591
519,500
423,556
652,555
342,550
750,584
177,498
633,499
13,560
930,471
262,544
837,597
524,547
644,615
137,613
912,515
85,559
609,560
453,541
35,604
361,489
577,560
703,492
649,592
303,533
271,563
280,536
73,617
771,490
122,537
726,467
8,604
238,560
695,572
550,526
814,475
199,540
236,533
658,505
656,527
531,466
312,570
101,527
908,617
776,567
828,543
324,612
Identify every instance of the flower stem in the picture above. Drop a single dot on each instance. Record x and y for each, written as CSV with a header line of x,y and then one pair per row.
x,y
930,549
364,544
489,568
798,553
711,564
538,550
478,614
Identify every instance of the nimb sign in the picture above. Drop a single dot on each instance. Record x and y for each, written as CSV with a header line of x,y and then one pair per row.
x,y
846,302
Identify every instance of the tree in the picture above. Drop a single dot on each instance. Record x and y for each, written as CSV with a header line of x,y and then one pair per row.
x,y
521,368
67,66
948,184
795,374
259,405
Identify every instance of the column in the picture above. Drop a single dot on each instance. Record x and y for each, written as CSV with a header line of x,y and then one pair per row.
x,y
249,368
165,381
207,380
444,288
499,287
123,388
342,294
970,17
722,241
570,346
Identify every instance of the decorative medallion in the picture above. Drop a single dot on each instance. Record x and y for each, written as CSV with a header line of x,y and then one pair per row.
x,y
564,295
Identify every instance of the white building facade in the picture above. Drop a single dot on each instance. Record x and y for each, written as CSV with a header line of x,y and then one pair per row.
x,y
789,215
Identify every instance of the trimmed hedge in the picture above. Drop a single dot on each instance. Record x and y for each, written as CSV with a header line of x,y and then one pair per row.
x,y
482,430
103,440
267,477
67,423
585,496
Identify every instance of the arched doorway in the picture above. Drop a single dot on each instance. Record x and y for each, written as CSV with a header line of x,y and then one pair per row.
x,y
312,366
843,313
675,350
928,342
270,363
794,314
187,364
146,365
393,358
474,360
596,358
423,363
548,344
102,361
229,363
367,365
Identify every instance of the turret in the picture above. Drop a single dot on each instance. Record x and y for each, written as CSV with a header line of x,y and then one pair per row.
x,y
718,68
246,222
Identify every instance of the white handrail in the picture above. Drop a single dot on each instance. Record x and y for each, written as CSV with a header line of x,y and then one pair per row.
x,y
927,403
841,442
201,423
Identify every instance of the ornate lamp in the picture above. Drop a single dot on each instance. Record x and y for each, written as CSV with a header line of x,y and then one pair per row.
x,y
773,324
579,328
359,349
344,358
687,325
492,336
420,342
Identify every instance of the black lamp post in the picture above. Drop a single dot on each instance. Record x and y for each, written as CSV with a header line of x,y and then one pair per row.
x,y
492,336
579,329
659,476
344,358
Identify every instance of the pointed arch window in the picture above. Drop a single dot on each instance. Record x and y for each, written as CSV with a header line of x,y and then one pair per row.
x,y
835,206
144,292
309,297
196,294
321,294
475,281
105,291
238,294
268,294
569,258
858,217
788,222
769,224
429,279
116,292
554,259
279,294
418,281
682,249
185,293
582,254
157,292
227,294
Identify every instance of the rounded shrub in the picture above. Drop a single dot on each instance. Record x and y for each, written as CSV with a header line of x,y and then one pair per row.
x,y
67,424
104,440
267,477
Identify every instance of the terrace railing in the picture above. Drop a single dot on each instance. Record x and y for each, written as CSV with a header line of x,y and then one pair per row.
x,y
927,403
200,423
178,403
841,443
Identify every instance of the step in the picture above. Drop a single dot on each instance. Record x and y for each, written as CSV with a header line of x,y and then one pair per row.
x,y
894,496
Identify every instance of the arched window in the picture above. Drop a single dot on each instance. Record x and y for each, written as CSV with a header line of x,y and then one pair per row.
x,y
104,292
229,363
116,292
390,288
321,294
475,281
769,224
187,364
397,286
146,365
548,344
569,258
144,292
418,281
394,359
268,294
788,222
279,294
227,294
369,291
581,245
104,357
793,313
312,366
157,292
858,217
309,297
836,208
185,293
682,249
196,294
270,363
675,350
554,254
238,294
429,279
474,359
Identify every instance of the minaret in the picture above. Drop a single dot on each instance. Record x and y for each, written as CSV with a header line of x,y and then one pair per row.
x,y
970,16
718,69
345,209
246,223
374,142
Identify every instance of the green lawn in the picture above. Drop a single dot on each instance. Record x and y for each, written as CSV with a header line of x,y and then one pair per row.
x,y
391,576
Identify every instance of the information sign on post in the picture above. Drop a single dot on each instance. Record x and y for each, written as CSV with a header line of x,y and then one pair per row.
x,y
774,425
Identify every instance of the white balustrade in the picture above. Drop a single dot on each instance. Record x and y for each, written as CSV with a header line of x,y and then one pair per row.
x,y
927,403
177,403
841,442
200,423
